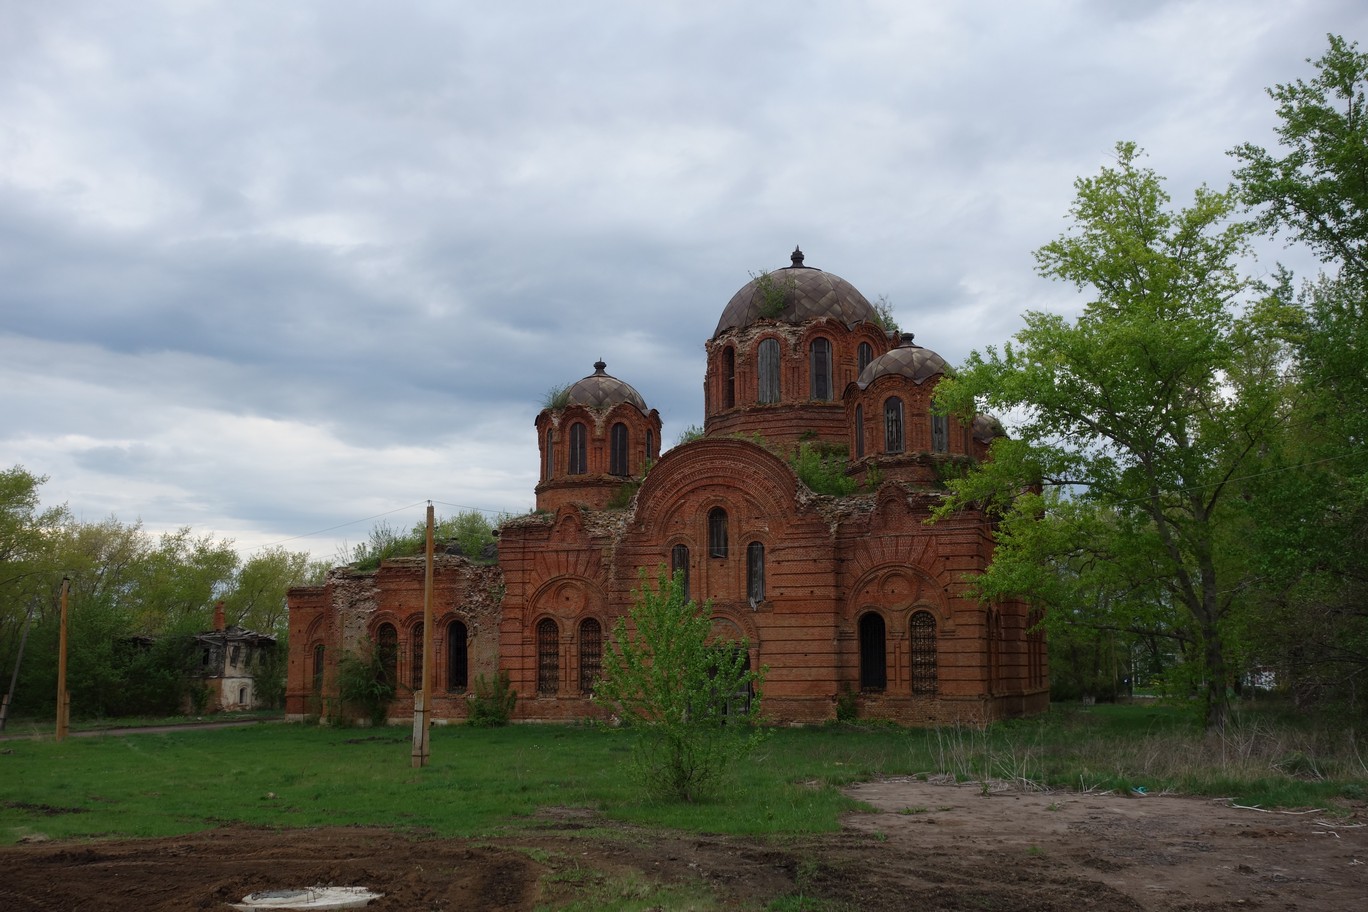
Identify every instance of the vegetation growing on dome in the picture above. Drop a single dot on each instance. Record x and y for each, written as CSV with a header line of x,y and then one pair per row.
x,y
774,293
883,315
557,397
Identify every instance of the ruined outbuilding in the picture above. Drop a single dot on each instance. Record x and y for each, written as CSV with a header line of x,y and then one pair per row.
x,y
854,603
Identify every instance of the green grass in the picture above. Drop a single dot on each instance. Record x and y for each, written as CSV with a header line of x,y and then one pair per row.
x,y
492,781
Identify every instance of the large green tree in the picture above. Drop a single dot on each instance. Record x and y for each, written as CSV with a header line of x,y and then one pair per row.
x,y
1312,536
1132,421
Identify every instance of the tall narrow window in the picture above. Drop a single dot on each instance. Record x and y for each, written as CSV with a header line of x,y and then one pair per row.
x,y
755,572
717,532
767,367
650,443
318,669
679,566
617,453
728,377
859,432
865,353
417,682
873,661
387,645
590,654
458,657
940,433
550,454
922,644
548,657
577,454
893,425
820,366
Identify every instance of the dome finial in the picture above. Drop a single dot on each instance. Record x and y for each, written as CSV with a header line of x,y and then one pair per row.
x,y
906,340
797,257
599,365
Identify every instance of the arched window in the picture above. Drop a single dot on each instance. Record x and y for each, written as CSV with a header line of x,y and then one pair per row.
x,y
940,433
458,657
242,696
755,572
650,444
767,368
550,454
318,669
548,657
728,377
717,532
859,432
417,682
865,354
617,451
577,457
922,645
820,366
590,654
387,646
873,661
893,425
679,566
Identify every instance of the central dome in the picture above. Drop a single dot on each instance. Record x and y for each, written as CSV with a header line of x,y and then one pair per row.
x,y
795,294
601,390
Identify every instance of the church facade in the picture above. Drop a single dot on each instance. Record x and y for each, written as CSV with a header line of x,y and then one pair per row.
x,y
852,602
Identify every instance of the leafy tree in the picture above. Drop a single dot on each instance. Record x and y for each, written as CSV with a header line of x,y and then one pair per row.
x,y
1138,410
1318,190
257,597
693,698
1313,527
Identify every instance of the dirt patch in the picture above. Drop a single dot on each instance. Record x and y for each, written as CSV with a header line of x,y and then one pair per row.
x,y
934,846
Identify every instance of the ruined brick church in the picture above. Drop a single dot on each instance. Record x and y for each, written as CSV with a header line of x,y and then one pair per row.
x,y
850,601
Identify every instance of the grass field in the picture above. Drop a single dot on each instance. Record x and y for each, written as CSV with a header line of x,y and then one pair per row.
x,y
487,781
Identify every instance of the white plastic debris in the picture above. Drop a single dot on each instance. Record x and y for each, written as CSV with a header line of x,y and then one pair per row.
x,y
307,898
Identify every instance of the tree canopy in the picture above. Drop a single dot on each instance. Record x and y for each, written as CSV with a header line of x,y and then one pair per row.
x,y
1133,419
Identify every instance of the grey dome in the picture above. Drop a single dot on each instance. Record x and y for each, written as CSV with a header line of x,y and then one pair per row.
x,y
907,360
986,427
601,391
809,294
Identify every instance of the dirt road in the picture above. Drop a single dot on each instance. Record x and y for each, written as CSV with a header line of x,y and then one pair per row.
x,y
925,845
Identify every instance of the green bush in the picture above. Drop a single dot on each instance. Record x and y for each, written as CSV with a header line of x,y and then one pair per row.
x,y
362,685
493,702
822,467
691,699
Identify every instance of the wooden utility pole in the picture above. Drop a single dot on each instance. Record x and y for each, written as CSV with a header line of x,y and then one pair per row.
x,y
63,698
422,700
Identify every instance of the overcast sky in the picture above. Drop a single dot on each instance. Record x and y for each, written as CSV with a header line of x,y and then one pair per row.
x,y
270,269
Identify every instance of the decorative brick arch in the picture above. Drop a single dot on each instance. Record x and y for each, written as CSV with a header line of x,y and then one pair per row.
x,y
756,476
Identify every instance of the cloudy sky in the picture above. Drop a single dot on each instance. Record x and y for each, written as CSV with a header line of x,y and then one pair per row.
x,y
272,268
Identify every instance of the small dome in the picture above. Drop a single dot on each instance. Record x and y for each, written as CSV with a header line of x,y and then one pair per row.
x,y
911,361
986,427
601,391
808,294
